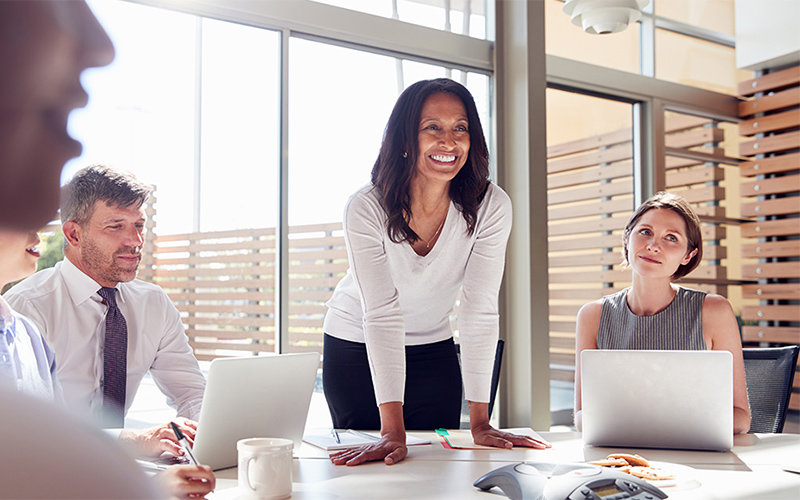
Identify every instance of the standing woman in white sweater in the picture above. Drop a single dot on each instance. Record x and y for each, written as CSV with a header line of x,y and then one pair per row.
x,y
429,224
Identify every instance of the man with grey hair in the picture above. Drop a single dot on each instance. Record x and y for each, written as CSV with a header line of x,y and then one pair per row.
x,y
107,328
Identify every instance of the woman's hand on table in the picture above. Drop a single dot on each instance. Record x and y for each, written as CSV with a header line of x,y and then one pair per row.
x,y
486,435
391,449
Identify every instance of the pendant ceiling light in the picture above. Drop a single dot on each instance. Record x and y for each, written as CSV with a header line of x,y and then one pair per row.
x,y
600,17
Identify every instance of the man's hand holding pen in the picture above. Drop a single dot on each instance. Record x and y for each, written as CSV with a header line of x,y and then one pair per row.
x,y
154,441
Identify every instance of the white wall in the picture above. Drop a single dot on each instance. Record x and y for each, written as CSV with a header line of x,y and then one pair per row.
x,y
767,33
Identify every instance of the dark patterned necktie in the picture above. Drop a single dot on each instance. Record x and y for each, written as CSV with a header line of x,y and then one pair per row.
x,y
115,371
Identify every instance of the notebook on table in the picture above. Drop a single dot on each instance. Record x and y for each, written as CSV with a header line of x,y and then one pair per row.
x,y
256,396
657,399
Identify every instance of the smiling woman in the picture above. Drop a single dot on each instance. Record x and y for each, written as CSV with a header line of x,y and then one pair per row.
x,y
429,224
18,254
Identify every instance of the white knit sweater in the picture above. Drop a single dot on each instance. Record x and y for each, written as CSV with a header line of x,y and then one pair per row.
x,y
391,297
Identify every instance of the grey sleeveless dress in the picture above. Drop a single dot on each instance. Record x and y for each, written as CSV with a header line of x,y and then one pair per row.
x,y
678,327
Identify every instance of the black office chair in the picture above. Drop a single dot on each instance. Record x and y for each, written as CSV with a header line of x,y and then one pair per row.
x,y
769,372
498,362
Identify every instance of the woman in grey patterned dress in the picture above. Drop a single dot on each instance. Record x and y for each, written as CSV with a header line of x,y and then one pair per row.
x,y
662,242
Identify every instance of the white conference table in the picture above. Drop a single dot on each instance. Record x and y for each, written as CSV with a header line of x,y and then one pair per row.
x,y
752,469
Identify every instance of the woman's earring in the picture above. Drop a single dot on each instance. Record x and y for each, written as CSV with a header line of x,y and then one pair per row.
x,y
405,155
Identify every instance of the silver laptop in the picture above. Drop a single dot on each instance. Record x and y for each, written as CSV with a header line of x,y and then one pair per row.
x,y
657,399
258,396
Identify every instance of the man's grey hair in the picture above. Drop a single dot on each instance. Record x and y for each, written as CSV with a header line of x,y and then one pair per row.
x,y
100,183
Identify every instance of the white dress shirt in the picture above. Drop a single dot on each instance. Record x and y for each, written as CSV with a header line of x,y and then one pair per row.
x,y
392,297
63,303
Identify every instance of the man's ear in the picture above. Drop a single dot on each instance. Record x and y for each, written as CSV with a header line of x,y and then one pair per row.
x,y
73,234
689,256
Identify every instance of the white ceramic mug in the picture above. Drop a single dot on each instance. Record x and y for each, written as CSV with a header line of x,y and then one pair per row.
x,y
265,468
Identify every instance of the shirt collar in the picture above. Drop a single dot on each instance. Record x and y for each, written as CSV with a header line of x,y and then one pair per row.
x,y
80,286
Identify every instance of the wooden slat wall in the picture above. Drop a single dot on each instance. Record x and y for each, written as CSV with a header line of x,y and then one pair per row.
x,y
590,197
771,182
223,283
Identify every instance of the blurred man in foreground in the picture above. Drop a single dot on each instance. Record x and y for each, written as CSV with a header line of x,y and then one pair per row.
x,y
44,48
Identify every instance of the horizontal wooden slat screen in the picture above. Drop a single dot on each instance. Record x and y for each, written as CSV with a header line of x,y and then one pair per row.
x,y
223,282
590,198
786,162
789,77
771,187
779,121
770,102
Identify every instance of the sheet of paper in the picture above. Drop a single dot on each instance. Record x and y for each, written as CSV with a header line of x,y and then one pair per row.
x,y
349,438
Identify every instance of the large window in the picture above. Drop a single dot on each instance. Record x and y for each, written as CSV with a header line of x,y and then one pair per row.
x,y
685,41
239,126
256,127
141,112
242,127
564,39
589,197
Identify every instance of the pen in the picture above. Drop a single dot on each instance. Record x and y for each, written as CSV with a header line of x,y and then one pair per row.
x,y
335,435
184,443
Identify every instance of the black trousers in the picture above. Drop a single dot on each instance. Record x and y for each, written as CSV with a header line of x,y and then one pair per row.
x,y
432,391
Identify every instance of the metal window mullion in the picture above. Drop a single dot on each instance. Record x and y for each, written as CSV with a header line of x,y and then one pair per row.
x,y
647,43
398,62
570,75
649,170
693,31
198,129
405,55
282,226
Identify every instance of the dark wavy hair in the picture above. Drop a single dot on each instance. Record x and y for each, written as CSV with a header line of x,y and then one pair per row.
x,y
395,166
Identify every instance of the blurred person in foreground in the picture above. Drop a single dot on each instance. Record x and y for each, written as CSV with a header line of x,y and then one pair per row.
x,y
47,452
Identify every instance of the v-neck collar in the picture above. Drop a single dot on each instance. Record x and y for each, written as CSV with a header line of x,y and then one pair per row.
x,y
435,250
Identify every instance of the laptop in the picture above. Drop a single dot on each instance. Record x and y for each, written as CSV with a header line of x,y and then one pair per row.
x,y
256,396
657,399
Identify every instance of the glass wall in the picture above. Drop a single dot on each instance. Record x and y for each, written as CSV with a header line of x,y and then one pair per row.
x,y
693,43
141,112
713,15
195,108
239,126
589,197
698,63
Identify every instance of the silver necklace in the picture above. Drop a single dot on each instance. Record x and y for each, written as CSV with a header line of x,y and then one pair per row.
x,y
432,238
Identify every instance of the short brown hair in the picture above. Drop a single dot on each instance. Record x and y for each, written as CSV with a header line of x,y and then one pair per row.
x,y
680,206
100,183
